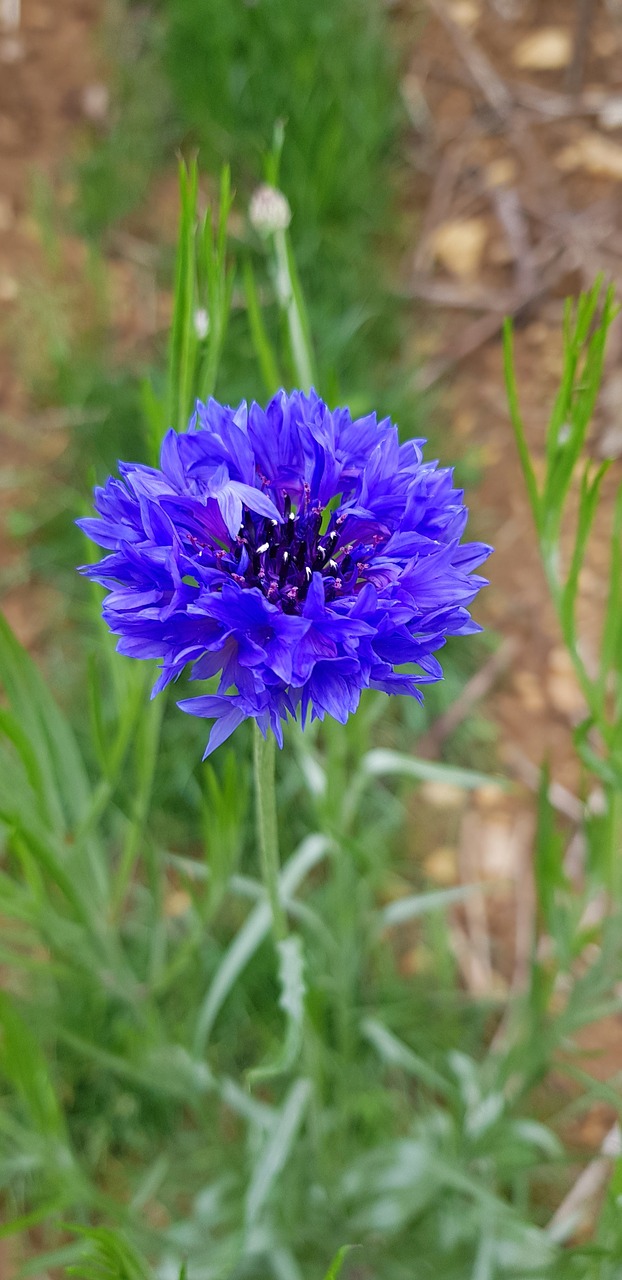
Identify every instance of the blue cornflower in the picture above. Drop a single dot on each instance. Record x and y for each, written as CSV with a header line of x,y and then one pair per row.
x,y
299,554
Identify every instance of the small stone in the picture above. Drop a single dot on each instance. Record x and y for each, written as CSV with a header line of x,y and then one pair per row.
x,y
501,172
465,13
610,114
548,49
95,102
459,244
599,156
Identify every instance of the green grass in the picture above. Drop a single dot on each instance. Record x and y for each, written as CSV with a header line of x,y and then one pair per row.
x,y
411,1121
226,79
142,988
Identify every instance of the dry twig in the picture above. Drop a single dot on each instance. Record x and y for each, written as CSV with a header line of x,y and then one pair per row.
x,y
584,13
478,935
474,690
579,1208
559,796
480,69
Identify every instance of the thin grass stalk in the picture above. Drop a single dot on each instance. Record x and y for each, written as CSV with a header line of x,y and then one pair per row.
x,y
264,755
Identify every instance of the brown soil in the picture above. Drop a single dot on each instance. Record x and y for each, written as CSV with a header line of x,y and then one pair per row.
x,y
519,207
48,68
516,176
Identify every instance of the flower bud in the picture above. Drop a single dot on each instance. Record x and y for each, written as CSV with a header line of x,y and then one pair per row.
x,y
269,210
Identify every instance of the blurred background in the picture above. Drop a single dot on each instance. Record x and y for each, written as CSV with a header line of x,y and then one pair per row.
x,y
447,163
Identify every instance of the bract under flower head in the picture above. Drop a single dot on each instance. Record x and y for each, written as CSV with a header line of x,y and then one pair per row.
x,y
298,554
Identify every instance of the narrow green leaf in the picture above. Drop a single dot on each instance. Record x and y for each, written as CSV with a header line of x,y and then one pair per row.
x,y
277,1149
588,505
24,1064
183,337
517,422
261,342
298,319
336,1266
397,1054
382,762
549,871
250,936
420,904
611,640
108,1255
292,1002
63,778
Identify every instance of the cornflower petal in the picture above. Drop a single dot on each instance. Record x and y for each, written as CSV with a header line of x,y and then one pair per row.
x,y
292,553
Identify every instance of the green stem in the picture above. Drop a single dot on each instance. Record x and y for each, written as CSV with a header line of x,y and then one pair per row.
x,y
264,752
148,745
291,303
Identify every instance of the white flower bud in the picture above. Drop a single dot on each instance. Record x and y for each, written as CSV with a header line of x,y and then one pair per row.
x,y
201,323
269,210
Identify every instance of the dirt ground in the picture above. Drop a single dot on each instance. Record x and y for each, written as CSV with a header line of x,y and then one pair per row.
x,y
515,152
50,85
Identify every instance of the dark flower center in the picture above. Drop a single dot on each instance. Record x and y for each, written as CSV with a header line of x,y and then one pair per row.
x,y
281,559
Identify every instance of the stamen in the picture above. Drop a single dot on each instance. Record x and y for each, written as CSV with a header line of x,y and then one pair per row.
x,y
281,558
283,569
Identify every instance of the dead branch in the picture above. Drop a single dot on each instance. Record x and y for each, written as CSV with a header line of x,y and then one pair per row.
x,y
511,215
559,796
584,13
480,331
579,1208
478,933
476,688
480,69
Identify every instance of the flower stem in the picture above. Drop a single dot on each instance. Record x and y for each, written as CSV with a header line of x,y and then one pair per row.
x,y
292,304
264,751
